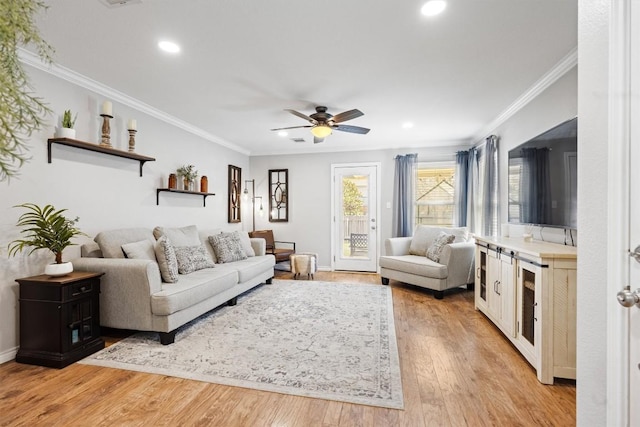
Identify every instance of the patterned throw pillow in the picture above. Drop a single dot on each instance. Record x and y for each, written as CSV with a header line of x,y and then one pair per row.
x,y
433,253
167,261
192,258
228,247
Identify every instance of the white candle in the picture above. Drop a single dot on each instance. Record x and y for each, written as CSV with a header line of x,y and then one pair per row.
x,y
133,124
107,108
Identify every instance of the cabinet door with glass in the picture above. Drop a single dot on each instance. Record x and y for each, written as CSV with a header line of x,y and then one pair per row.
x,y
481,278
528,310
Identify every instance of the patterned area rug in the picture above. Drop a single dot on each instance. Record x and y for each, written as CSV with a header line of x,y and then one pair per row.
x,y
325,340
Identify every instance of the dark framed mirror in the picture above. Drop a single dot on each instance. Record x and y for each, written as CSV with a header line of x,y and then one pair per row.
x,y
278,195
235,181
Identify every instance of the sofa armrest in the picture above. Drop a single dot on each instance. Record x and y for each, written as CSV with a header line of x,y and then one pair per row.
x,y
396,246
259,245
459,259
125,290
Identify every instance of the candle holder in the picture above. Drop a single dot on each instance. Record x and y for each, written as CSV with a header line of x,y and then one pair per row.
x,y
132,140
106,131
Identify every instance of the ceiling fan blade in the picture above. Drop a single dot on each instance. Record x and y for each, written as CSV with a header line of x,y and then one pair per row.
x,y
302,116
347,115
317,140
351,129
293,127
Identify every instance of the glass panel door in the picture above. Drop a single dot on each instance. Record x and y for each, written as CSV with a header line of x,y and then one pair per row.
x,y
355,218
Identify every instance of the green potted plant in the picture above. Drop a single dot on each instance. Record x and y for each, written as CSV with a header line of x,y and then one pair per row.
x,y
46,228
67,130
189,175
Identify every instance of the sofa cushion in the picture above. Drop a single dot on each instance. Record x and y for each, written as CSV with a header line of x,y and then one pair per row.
x,y
144,249
192,289
228,247
204,239
111,241
433,253
182,236
192,258
167,261
415,264
250,267
425,235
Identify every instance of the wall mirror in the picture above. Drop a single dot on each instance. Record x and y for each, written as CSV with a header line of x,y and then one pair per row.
x,y
278,195
235,180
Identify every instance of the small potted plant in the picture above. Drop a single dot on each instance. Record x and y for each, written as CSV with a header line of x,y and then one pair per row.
x,y
46,228
67,130
189,175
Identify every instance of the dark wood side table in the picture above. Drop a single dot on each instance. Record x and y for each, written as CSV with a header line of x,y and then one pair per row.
x,y
59,318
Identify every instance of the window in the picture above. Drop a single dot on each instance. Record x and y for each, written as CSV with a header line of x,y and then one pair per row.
x,y
434,198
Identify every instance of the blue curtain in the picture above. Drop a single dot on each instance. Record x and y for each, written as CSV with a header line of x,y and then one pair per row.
x,y
461,189
403,194
480,210
473,191
490,187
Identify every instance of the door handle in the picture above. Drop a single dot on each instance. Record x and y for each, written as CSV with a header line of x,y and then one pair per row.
x,y
628,298
635,254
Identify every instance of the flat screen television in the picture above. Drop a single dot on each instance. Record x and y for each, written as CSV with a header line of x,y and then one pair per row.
x,y
543,178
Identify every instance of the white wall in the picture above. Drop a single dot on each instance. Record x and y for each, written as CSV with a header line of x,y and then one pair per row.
x,y
555,105
593,39
310,192
105,192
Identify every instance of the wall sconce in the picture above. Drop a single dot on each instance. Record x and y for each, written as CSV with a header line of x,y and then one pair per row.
x,y
245,196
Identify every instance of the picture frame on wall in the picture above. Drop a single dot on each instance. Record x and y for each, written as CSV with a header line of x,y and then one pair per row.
x,y
279,195
234,194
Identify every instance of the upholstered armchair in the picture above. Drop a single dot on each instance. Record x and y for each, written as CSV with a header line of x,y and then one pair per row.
x,y
437,258
274,247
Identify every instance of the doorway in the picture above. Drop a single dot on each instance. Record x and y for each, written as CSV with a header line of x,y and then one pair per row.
x,y
354,229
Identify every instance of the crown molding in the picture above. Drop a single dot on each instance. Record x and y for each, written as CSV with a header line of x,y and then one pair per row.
x,y
565,65
85,82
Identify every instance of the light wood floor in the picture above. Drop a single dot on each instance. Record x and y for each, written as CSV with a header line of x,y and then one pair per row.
x,y
457,370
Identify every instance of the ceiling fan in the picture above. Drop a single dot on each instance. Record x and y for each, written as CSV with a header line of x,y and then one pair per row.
x,y
323,123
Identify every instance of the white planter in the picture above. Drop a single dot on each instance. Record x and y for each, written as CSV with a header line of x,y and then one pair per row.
x,y
66,133
58,269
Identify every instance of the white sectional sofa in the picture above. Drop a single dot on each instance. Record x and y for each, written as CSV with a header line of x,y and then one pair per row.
x,y
406,259
134,295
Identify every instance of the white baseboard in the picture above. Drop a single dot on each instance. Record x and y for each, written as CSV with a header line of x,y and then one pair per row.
x,y
8,355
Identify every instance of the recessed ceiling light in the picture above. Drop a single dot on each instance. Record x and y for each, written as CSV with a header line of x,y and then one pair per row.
x,y
168,46
407,125
283,133
433,7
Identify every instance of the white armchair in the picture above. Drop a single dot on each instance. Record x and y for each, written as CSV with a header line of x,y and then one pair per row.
x,y
405,260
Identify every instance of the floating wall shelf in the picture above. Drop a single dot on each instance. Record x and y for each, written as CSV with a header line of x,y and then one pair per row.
x,y
172,190
98,149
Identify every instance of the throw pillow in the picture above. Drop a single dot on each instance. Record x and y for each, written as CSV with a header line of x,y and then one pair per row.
x,y
183,236
227,247
144,249
246,243
192,258
167,261
433,253
425,235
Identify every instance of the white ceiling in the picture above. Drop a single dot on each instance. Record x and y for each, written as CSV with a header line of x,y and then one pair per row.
x,y
243,62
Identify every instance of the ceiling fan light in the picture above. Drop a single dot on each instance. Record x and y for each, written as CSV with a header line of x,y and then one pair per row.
x,y
321,131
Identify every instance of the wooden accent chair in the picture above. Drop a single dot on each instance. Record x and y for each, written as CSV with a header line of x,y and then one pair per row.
x,y
281,254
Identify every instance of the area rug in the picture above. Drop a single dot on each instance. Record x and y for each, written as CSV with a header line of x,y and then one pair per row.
x,y
325,340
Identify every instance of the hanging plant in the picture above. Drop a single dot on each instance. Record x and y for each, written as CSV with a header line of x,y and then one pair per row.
x,y
21,112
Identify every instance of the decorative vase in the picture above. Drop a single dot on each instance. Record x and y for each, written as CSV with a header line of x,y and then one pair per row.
x,y
204,184
66,133
173,181
188,184
56,270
